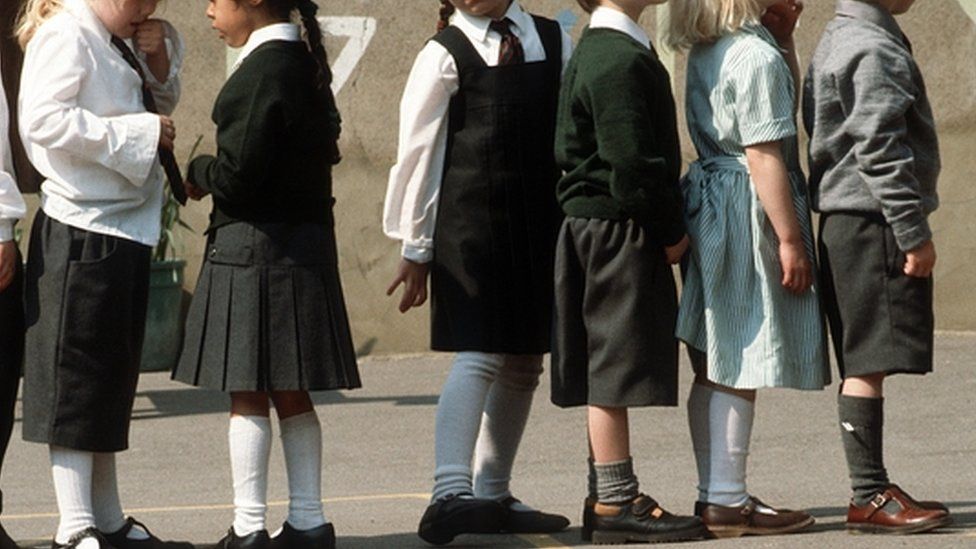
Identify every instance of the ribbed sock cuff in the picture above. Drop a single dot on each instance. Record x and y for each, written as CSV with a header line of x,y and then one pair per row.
x,y
616,483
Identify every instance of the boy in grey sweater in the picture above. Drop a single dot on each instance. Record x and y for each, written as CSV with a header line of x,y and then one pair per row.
x,y
874,163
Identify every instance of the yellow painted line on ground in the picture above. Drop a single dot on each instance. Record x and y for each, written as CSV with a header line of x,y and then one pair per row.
x,y
226,506
541,540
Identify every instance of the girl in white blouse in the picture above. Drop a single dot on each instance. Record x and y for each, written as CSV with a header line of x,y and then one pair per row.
x,y
475,163
84,122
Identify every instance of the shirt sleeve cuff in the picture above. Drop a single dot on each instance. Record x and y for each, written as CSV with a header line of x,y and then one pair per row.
x,y
417,254
6,230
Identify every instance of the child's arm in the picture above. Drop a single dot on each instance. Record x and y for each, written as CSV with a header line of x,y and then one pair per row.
x,y
769,175
161,50
55,66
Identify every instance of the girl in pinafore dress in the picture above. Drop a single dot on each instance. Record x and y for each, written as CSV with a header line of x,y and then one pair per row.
x,y
268,322
472,199
749,311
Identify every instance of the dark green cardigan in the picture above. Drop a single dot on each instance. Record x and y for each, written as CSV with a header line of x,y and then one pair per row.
x,y
617,136
275,142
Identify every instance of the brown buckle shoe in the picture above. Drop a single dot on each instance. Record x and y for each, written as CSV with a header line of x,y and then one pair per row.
x,y
894,512
754,518
927,504
642,520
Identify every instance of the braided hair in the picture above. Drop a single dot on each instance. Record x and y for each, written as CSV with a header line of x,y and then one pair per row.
x,y
447,10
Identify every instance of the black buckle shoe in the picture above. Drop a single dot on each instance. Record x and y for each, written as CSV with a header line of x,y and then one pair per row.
x,y
90,533
120,538
450,516
254,540
642,520
532,521
321,537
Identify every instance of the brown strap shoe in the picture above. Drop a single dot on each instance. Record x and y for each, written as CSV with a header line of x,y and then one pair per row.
x,y
754,518
894,512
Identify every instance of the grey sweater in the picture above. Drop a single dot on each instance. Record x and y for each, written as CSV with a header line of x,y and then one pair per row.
x,y
873,146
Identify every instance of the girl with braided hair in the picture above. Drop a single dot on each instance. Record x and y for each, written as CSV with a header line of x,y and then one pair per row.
x,y
268,323
472,199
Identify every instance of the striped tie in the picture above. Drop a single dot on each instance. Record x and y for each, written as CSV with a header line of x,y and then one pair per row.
x,y
510,52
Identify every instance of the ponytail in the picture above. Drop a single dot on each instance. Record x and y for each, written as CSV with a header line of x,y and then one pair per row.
x,y
447,10
323,80
32,16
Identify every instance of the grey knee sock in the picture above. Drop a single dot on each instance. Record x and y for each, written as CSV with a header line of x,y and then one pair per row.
x,y
861,428
616,483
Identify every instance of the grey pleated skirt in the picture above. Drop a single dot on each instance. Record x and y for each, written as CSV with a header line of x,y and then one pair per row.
x,y
268,312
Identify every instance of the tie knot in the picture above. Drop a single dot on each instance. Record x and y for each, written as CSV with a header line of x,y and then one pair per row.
x,y
502,26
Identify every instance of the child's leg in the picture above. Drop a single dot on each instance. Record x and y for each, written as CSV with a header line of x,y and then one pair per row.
x,y
616,483
458,422
106,506
250,449
860,407
301,440
72,472
11,356
506,412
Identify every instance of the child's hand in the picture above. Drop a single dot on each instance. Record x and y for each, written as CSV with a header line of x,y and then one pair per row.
x,y
150,37
414,278
192,191
781,18
673,254
167,134
920,261
797,269
8,263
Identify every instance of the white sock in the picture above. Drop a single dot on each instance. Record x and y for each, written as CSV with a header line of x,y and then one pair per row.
x,y
301,438
458,422
699,401
106,506
730,428
72,473
505,414
250,450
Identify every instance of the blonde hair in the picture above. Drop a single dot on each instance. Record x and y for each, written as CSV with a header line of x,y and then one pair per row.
x,y
696,21
32,16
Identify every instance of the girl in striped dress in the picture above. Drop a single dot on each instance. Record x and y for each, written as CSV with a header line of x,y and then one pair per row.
x,y
749,310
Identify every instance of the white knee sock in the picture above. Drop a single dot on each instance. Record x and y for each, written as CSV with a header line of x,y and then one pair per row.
x,y
72,473
301,438
250,449
730,428
506,412
107,508
458,422
699,401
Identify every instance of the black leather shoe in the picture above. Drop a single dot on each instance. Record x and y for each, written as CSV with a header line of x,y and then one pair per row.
x,y
88,538
450,516
322,537
530,522
586,530
642,520
120,539
6,542
254,540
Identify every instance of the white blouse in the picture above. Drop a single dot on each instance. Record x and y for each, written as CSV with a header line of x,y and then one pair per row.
x,y
12,205
86,130
410,208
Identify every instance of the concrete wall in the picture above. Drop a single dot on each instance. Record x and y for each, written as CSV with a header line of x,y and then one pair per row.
x,y
379,41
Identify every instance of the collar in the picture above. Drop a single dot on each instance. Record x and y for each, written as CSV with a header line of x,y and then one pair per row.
x,y
758,30
609,18
476,26
871,13
276,31
87,18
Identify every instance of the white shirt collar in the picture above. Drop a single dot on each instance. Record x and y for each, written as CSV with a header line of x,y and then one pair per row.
x,y
87,18
609,18
476,27
275,31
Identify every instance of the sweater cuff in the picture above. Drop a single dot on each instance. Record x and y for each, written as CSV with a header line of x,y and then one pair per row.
x,y
912,236
197,172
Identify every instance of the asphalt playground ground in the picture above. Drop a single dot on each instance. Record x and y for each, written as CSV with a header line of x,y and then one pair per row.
x,y
378,459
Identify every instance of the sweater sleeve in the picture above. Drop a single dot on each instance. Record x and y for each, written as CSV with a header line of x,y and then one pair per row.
x,y
249,118
633,142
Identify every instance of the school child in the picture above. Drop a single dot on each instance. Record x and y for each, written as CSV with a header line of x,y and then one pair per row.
x,y
12,208
749,313
84,102
874,164
615,307
268,322
471,199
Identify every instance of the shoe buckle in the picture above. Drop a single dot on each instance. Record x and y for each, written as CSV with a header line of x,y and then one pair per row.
x,y
880,500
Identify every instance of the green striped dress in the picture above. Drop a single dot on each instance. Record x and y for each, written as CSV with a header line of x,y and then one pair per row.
x,y
756,333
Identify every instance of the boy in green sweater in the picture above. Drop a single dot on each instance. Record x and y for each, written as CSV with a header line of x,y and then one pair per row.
x,y
616,304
